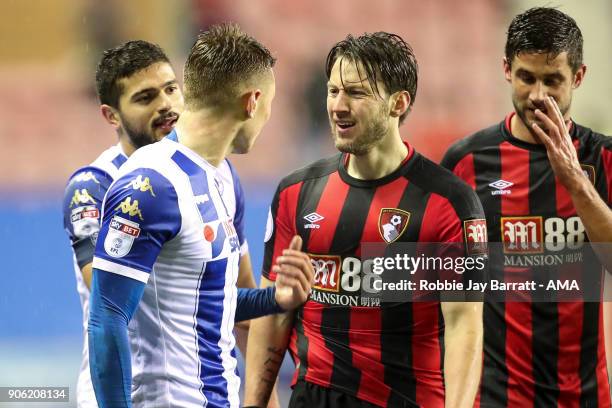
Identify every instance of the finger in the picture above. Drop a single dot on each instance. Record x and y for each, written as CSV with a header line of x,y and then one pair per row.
x,y
552,110
296,243
278,273
551,105
294,276
548,123
296,287
304,265
546,140
561,121
299,254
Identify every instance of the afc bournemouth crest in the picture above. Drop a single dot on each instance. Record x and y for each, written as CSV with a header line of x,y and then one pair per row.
x,y
392,223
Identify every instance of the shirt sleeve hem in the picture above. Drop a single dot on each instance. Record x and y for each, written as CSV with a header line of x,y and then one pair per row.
x,y
122,270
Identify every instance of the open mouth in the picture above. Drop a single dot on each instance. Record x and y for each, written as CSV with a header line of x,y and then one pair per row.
x,y
344,124
166,124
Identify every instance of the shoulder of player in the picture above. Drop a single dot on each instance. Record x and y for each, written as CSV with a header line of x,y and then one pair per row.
x,y
146,197
144,181
89,175
86,186
592,138
439,181
483,138
320,168
110,160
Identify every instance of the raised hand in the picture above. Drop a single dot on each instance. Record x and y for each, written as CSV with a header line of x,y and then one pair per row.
x,y
559,147
294,274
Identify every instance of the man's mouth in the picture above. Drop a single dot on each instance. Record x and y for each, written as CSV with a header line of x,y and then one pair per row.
x,y
166,123
541,106
344,125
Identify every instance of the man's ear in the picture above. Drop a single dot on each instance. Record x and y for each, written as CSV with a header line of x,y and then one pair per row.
x,y
507,69
110,115
579,76
400,103
251,98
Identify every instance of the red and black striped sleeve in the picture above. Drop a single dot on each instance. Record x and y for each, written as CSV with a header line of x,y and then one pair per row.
x,y
280,227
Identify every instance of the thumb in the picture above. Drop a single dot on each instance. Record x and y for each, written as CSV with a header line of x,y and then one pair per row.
x,y
296,243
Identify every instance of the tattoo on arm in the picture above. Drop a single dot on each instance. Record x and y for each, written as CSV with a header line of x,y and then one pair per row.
x,y
272,363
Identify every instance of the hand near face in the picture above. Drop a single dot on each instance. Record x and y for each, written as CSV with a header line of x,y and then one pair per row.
x,y
559,147
294,275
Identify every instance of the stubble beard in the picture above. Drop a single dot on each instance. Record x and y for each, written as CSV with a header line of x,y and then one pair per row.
x,y
376,130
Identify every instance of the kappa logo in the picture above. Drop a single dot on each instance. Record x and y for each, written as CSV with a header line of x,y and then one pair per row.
x,y
142,185
313,218
84,177
501,187
120,237
81,197
392,223
130,207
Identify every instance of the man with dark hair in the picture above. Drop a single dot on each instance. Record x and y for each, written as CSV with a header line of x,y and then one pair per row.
x,y
350,350
140,98
544,176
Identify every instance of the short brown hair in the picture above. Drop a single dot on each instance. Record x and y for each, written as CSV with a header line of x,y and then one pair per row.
x,y
222,58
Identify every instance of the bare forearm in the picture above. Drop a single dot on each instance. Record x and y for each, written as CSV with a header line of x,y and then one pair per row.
x,y
268,338
463,358
241,332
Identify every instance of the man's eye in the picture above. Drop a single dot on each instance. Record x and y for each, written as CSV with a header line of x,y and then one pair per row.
x,y
551,82
171,89
332,91
143,99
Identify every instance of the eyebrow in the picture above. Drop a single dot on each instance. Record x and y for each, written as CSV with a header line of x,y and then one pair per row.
x,y
148,90
348,87
555,75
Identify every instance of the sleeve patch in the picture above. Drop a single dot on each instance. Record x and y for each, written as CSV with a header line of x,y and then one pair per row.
x,y
85,221
120,237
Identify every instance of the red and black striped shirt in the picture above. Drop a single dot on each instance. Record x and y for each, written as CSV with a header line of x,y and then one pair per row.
x,y
536,354
386,354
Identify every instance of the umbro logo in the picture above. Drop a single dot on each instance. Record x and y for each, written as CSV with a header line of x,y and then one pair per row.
x,y
313,218
501,187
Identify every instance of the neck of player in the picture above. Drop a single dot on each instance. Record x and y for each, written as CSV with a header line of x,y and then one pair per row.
x,y
383,159
207,134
